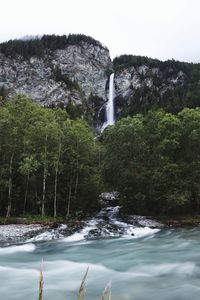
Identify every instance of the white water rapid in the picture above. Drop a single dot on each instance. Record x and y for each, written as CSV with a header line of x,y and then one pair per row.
x,y
105,225
110,119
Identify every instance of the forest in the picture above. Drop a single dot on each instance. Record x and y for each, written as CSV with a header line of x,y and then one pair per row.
x,y
49,163
40,46
53,165
163,93
124,61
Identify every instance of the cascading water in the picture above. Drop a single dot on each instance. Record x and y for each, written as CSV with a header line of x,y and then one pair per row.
x,y
106,224
110,120
110,105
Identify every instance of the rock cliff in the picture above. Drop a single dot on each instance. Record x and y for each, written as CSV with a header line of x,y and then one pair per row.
x,y
73,72
142,83
76,74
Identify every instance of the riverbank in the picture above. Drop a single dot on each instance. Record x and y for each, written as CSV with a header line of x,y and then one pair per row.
x,y
106,224
37,219
191,221
164,221
14,230
50,221
20,233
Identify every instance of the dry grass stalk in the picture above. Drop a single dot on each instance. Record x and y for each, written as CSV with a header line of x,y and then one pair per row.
x,y
82,289
107,292
41,284
81,293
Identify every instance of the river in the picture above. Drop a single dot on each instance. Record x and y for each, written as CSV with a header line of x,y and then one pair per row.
x,y
142,263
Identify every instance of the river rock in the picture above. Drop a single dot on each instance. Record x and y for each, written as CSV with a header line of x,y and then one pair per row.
x,y
141,221
19,232
109,199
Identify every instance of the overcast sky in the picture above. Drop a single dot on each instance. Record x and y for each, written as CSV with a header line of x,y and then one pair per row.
x,y
161,29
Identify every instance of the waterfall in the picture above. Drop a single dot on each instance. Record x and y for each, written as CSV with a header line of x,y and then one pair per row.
x,y
110,120
110,104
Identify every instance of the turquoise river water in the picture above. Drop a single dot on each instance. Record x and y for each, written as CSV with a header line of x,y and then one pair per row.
x,y
162,265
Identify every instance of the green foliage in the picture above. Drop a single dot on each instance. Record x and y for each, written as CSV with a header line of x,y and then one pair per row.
x,y
153,161
169,66
166,92
124,61
39,46
48,162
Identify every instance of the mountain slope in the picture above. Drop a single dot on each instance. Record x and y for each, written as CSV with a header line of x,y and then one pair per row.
x,y
56,70
143,83
73,71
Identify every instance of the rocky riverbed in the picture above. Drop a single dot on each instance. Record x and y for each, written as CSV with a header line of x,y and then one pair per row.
x,y
18,233
105,224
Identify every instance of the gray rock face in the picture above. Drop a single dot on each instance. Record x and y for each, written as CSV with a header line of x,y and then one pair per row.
x,y
144,84
78,74
82,72
87,65
128,80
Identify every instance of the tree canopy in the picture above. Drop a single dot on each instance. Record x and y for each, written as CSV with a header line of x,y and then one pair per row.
x,y
39,46
49,163
153,161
